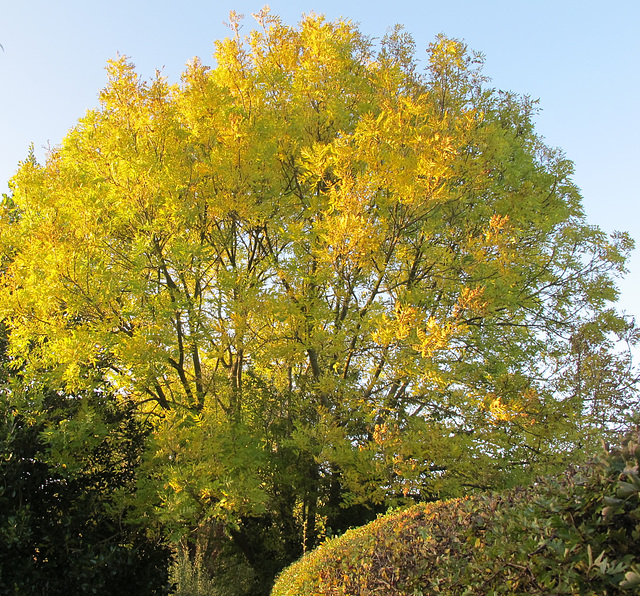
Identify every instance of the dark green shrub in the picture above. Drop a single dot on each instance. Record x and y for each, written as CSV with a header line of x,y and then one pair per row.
x,y
593,525
62,529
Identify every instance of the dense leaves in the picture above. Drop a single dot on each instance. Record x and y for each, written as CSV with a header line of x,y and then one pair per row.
x,y
330,283
577,534
64,524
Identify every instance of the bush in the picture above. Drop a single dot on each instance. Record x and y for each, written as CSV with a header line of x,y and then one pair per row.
x,y
577,534
189,577
194,572
62,527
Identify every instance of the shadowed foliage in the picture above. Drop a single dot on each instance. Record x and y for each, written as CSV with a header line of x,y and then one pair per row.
x,y
63,508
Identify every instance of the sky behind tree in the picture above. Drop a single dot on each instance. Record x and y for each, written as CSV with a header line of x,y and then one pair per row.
x,y
576,56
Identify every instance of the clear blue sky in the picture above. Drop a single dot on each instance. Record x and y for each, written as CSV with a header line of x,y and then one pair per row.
x,y
579,57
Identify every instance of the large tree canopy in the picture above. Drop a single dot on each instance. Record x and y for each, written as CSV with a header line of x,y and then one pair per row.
x,y
329,279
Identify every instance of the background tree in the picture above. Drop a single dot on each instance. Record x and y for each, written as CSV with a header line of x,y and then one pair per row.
x,y
329,281
63,504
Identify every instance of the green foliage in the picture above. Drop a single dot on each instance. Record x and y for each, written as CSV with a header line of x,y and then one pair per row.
x,y
63,496
189,577
576,534
594,526
225,575
64,527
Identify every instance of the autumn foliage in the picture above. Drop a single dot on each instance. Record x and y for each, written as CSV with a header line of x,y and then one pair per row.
x,y
330,281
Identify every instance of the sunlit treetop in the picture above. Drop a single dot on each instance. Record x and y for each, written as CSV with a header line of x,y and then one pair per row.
x,y
318,239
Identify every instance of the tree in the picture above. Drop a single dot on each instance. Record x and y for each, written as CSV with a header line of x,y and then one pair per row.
x,y
329,280
63,504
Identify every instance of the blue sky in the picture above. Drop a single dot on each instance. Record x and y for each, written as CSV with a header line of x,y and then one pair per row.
x,y
579,57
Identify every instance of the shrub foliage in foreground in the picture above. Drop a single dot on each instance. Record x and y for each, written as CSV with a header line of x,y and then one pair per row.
x,y
574,535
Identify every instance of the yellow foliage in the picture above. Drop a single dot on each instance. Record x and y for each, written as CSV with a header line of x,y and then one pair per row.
x,y
307,253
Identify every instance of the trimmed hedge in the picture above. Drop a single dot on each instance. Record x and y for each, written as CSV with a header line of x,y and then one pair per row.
x,y
578,534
